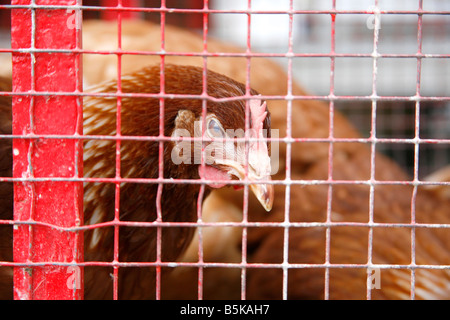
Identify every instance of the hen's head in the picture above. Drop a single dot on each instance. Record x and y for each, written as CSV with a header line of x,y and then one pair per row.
x,y
220,149
227,144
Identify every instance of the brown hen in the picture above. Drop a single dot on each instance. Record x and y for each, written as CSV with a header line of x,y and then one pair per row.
x,y
140,116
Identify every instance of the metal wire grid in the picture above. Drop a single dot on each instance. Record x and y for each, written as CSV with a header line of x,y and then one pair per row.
x,y
331,98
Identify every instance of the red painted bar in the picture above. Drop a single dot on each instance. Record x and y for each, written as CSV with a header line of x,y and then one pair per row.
x,y
112,14
57,203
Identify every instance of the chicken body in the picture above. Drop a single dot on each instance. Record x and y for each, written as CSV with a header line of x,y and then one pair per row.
x,y
140,117
140,159
352,243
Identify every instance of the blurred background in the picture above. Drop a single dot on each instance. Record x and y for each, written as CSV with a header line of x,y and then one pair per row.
x,y
353,76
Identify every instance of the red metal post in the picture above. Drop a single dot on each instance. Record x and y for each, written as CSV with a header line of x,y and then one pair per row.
x,y
45,202
112,15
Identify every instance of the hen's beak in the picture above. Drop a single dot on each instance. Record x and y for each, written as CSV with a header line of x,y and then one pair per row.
x,y
264,192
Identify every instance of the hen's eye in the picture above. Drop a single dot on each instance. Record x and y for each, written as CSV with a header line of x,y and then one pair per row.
x,y
215,130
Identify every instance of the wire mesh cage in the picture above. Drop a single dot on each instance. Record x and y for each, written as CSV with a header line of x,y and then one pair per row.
x,y
91,205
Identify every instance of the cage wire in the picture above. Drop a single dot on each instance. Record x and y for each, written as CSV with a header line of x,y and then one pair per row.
x,y
383,64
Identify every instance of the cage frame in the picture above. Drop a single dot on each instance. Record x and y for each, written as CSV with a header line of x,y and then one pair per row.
x,y
28,287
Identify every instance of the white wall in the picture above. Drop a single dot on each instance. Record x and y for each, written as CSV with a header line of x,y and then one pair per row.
x,y
354,34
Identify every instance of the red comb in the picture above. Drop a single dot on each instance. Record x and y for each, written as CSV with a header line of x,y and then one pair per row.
x,y
258,114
